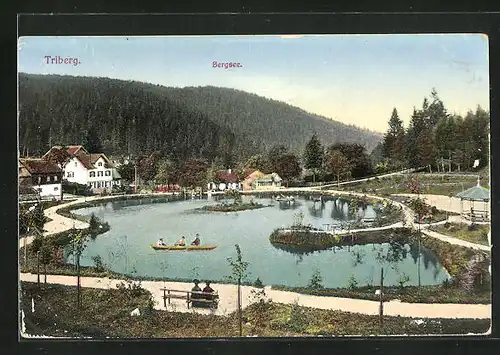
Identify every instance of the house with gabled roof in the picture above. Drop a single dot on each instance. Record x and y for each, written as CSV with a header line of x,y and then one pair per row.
x,y
92,169
39,177
268,181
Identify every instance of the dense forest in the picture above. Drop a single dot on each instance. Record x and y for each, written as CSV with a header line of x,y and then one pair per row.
x,y
133,118
436,139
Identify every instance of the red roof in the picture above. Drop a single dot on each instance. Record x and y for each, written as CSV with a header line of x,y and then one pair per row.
x,y
248,171
226,176
89,160
73,149
40,166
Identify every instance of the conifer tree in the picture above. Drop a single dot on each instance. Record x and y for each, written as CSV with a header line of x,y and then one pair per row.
x,y
394,141
313,155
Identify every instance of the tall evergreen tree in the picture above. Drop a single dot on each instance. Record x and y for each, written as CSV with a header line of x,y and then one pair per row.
x,y
394,141
92,142
313,155
435,111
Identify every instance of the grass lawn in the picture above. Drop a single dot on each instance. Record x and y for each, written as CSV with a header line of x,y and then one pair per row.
x,y
409,294
106,313
434,185
461,231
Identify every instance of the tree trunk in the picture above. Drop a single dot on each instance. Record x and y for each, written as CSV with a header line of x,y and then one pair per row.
x,y
78,280
418,271
381,306
45,273
240,320
38,267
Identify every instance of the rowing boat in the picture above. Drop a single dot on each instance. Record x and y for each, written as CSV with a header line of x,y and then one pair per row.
x,y
183,247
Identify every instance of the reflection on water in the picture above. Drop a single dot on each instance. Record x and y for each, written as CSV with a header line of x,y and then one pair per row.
x,y
134,226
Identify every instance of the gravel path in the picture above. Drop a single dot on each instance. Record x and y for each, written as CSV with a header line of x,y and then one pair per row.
x,y
228,299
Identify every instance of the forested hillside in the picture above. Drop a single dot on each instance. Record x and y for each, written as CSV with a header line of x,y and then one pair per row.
x,y
137,118
269,122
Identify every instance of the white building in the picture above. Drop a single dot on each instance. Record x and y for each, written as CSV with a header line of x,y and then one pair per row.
x,y
267,181
41,177
94,170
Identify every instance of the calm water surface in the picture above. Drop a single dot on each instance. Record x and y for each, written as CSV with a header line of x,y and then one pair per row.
x,y
126,247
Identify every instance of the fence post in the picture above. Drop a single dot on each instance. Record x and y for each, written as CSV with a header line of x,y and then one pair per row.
x,y
164,299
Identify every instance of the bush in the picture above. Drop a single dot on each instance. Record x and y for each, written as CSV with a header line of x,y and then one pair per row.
x,y
76,189
258,283
316,280
403,279
98,263
352,283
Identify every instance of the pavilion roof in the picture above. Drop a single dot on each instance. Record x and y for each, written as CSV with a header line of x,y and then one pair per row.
x,y
476,193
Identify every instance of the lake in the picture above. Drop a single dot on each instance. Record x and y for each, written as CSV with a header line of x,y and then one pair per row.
x,y
125,248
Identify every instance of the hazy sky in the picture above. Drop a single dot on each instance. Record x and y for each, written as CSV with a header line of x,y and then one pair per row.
x,y
353,79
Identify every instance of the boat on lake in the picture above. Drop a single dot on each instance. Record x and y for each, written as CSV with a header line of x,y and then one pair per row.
x,y
183,247
285,199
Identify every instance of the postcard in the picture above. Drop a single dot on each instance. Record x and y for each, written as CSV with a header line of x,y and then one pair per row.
x,y
254,186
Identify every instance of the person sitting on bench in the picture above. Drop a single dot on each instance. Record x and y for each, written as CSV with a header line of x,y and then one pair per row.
x,y
196,240
195,296
181,242
208,289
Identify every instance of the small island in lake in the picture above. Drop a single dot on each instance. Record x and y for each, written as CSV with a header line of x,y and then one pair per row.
x,y
236,206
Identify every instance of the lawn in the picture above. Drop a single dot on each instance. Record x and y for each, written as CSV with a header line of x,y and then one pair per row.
x,y
106,313
477,234
434,185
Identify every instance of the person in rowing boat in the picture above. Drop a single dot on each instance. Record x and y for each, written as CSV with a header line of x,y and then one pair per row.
x,y
160,242
181,242
196,240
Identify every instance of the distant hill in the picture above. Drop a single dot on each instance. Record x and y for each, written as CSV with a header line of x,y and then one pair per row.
x,y
133,117
269,122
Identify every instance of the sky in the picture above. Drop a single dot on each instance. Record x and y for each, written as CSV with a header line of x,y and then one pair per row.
x,y
354,79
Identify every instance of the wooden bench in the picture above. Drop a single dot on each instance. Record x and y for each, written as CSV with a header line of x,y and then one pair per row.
x,y
177,294
188,296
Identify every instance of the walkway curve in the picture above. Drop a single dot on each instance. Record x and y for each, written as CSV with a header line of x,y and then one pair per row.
x,y
228,299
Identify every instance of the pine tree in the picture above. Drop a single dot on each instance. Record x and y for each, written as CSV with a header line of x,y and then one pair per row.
x,y
92,142
313,155
394,141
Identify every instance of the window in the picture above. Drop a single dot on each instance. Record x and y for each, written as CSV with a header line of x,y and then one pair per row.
x,y
99,164
70,174
56,188
48,178
92,174
108,172
100,173
55,178
39,189
76,164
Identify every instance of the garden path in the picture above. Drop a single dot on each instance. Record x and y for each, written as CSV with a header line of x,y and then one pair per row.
x,y
228,299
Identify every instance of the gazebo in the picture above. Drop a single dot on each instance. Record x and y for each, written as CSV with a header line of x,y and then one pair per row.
x,y
474,194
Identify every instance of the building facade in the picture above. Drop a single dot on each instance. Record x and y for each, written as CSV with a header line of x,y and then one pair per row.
x,y
41,177
269,181
79,166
